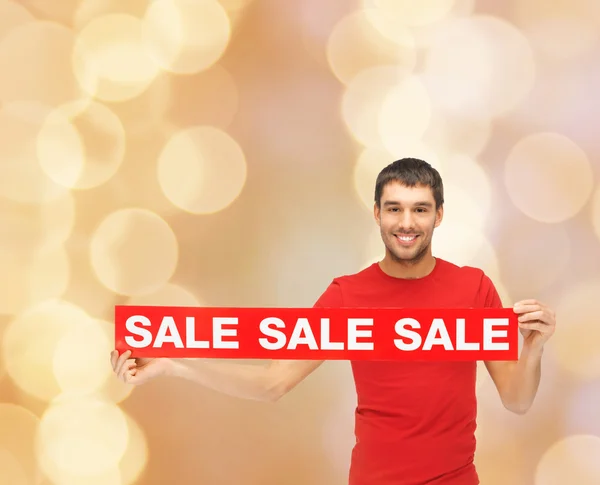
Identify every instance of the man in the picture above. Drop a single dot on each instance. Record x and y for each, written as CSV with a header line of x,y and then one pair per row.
x,y
415,421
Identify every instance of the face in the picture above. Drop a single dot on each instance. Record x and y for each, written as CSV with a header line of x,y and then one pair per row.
x,y
407,218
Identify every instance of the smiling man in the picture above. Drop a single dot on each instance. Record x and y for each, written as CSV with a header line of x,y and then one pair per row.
x,y
415,421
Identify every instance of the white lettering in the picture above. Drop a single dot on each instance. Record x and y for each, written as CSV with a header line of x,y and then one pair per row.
x,y
190,335
489,333
409,334
326,344
162,337
219,332
461,344
354,334
131,327
438,327
302,326
265,328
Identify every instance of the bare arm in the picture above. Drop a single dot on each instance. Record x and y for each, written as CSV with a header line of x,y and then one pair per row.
x,y
256,382
518,382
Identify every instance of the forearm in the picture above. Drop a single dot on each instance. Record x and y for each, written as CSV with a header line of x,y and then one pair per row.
x,y
522,386
253,382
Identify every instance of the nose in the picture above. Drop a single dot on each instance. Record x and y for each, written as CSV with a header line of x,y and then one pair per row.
x,y
406,221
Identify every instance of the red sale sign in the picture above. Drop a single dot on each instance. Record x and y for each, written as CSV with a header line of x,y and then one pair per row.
x,y
318,333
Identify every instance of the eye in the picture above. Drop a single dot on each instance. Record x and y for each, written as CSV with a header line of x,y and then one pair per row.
x,y
421,209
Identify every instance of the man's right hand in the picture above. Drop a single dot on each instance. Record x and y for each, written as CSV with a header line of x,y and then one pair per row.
x,y
137,371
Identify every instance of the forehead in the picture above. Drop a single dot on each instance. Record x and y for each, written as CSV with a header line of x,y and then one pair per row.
x,y
396,192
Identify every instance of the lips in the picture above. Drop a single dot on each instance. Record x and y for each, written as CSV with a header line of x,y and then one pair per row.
x,y
406,239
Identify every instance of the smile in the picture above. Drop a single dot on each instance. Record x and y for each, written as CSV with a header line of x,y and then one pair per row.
x,y
406,239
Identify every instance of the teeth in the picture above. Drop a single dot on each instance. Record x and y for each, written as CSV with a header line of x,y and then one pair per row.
x,y
406,238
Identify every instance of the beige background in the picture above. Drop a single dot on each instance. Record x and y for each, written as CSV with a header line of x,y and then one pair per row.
x,y
204,153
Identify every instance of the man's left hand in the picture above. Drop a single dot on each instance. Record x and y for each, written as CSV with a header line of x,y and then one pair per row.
x,y
537,322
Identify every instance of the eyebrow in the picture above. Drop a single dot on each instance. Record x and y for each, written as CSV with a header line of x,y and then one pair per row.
x,y
422,203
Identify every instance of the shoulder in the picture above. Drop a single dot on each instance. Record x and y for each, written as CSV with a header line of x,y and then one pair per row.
x,y
470,276
462,272
340,285
359,277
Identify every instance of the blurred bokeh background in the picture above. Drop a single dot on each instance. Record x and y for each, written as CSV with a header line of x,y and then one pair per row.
x,y
223,153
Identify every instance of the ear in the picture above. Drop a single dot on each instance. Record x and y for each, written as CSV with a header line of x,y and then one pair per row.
x,y
377,214
439,215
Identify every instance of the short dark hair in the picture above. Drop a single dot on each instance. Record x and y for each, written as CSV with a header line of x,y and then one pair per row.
x,y
411,172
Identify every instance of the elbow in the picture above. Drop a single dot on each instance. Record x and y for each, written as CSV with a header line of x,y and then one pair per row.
x,y
273,391
516,407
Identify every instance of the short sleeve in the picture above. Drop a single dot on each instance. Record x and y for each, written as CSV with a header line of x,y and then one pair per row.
x,y
331,297
488,294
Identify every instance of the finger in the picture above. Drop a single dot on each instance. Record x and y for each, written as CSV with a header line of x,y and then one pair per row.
x,y
132,379
114,355
526,308
130,364
540,327
126,371
531,316
124,358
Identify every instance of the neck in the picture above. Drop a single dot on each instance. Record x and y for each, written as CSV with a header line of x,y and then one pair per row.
x,y
408,269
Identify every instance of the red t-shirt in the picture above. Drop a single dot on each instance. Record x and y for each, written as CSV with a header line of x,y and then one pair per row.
x,y
415,421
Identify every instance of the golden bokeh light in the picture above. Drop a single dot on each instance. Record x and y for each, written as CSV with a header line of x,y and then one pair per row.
x,y
548,177
110,59
387,13
235,6
140,115
168,295
466,245
88,10
213,93
355,45
467,192
60,12
479,66
526,251
573,459
135,457
21,177
576,346
36,227
510,450
560,30
30,279
596,213
12,14
30,342
202,169
458,135
111,476
37,50
562,38
405,114
82,436
88,344
81,145
363,100
17,458
13,473
424,34
134,251
186,36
